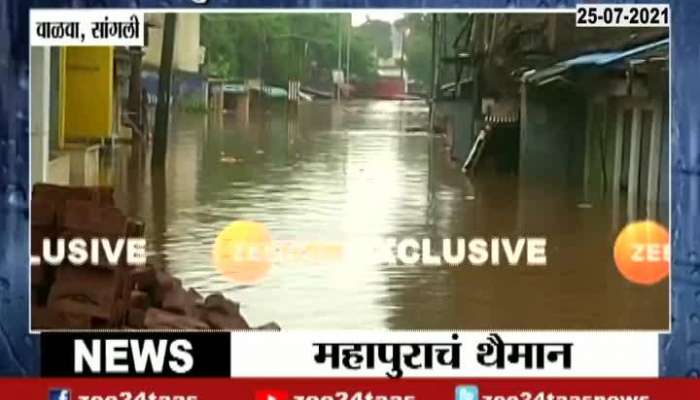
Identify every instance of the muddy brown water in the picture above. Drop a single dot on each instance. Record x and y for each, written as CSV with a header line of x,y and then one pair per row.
x,y
358,171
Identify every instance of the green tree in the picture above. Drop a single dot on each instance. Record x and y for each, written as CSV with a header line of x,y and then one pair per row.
x,y
278,47
418,45
376,34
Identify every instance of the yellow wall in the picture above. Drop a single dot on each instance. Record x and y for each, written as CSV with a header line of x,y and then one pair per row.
x,y
86,90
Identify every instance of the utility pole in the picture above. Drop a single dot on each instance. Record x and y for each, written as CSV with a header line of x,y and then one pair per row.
x,y
160,137
403,57
261,46
405,31
340,55
135,106
347,49
433,73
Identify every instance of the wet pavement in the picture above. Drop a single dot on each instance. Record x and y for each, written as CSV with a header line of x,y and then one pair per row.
x,y
358,171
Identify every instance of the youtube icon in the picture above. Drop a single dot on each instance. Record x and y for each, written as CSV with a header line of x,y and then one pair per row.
x,y
271,395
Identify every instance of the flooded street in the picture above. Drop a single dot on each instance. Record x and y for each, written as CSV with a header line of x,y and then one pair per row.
x,y
358,171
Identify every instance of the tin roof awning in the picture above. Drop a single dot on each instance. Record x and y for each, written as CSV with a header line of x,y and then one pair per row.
x,y
235,88
450,86
596,60
461,57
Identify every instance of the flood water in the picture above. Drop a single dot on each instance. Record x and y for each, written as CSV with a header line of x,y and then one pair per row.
x,y
357,171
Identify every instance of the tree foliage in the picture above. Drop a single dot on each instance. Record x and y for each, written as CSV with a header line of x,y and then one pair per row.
x,y
278,47
418,46
377,34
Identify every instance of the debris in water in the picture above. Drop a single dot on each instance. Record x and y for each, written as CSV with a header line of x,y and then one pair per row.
x,y
416,129
231,160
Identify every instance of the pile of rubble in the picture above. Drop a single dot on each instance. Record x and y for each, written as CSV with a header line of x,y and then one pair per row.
x,y
106,296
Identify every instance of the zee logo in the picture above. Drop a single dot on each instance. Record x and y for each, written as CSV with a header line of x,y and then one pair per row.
x,y
122,356
59,394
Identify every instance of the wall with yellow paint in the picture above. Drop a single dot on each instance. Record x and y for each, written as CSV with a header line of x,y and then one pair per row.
x,y
87,87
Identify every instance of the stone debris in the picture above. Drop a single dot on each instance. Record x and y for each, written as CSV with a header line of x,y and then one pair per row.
x,y
106,296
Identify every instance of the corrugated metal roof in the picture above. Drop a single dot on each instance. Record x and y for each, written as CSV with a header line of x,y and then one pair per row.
x,y
235,88
601,59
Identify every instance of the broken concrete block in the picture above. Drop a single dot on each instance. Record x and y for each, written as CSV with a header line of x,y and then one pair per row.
x,y
135,228
164,282
143,277
43,213
219,320
98,194
136,318
40,276
89,217
80,308
87,290
99,285
43,226
161,319
139,299
218,302
176,299
46,318
59,195
195,296
270,326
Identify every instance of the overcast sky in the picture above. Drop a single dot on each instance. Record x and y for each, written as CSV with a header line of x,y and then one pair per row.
x,y
359,18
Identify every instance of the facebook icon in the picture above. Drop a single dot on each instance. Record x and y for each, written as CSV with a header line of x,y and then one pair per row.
x,y
59,394
467,392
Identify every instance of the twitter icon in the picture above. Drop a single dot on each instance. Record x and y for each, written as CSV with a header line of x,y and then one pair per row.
x,y
467,392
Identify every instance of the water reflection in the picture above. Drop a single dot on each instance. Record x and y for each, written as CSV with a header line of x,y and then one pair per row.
x,y
353,172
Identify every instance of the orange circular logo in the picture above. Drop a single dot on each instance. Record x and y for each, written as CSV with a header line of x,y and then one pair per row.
x,y
242,251
643,253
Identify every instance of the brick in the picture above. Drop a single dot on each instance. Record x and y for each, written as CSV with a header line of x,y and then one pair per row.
x,y
39,276
59,195
143,277
43,213
81,309
176,299
195,296
87,290
45,318
219,320
164,282
43,225
270,326
139,299
181,301
135,228
136,318
89,217
160,319
99,194
218,302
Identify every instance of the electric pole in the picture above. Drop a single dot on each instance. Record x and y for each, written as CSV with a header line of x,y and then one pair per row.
x,y
165,74
347,49
340,56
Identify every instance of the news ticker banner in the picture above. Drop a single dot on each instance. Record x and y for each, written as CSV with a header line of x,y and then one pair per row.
x,y
87,27
123,27
351,389
363,354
